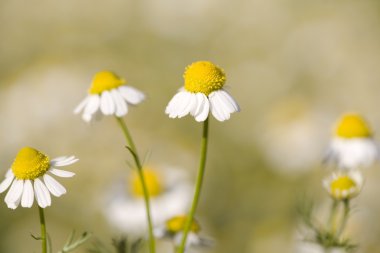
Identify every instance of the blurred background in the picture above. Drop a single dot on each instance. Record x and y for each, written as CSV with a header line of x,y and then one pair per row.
x,y
294,66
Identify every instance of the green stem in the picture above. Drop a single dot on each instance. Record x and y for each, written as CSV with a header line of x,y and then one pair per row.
x,y
43,229
135,155
198,187
346,212
332,217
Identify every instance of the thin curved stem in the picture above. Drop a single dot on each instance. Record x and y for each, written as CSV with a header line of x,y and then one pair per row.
x,y
198,187
346,212
132,147
43,229
332,217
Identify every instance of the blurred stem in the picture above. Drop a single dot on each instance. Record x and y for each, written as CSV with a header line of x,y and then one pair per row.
x,y
346,212
43,229
198,186
332,217
128,137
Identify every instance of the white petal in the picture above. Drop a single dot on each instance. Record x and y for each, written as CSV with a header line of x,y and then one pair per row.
x,y
191,104
42,193
204,109
131,95
54,187
218,109
28,195
107,105
121,105
229,100
7,181
9,173
81,106
199,103
63,161
92,105
14,194
61,173
171,108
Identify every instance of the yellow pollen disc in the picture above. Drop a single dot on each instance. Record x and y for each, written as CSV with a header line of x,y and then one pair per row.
x,y
152,181
30,164
342,183
177,224
203,76
353,126
105,80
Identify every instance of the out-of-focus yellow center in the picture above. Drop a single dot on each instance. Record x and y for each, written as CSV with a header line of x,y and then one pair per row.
x,y
152,181
204,76
353,126
30,164
105,80
177,224
342,183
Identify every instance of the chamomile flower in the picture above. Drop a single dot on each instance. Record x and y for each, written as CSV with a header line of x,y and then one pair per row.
x,y
173,227
353,145
169,191
342,186
203,92
30,177
108,95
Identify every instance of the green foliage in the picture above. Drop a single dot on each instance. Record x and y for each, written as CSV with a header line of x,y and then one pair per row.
x,y
121,245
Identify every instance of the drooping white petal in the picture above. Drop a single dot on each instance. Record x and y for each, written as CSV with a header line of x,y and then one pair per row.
x,y
131,95
171,108
191,104
61,173
107,105
121,105
81,106
63,161
218,110
27,198
7,181
54,187
42,193
229,100
92,105
14,194
204,108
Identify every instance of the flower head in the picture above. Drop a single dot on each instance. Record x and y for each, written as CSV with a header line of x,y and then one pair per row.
x,y
109,95
30,175
169,190
352,145
203,91
173,229
344,185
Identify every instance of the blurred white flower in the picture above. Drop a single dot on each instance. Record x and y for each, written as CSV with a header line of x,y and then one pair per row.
x,y
169,190
342,185
109,95
29,177
203,92
173,227
353,145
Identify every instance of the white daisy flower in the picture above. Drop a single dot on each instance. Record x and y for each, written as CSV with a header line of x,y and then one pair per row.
x,y
344,185
203,92
173,227
353,145
170,193
108,95
30,177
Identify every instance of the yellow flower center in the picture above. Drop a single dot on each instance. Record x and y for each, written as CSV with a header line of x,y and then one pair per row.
x,y
353,126
177,224
152,181
105,80
342,183
203,76
30,164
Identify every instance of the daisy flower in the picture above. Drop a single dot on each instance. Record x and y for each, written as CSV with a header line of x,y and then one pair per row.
x,y
30,177
169,191
203,92
108,95
342,186
353,145
173,227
